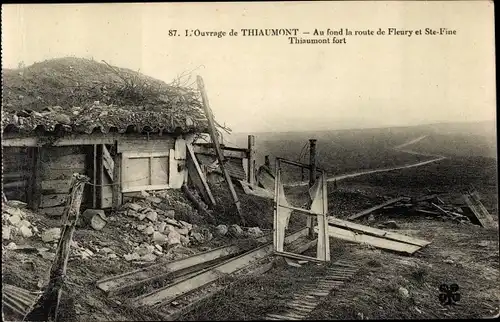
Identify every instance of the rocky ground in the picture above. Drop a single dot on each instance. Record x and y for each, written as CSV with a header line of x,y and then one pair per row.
x,y
147,229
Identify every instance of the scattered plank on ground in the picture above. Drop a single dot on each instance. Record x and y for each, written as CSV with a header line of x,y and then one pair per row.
x,y
478,209
378,242
372,209
376,232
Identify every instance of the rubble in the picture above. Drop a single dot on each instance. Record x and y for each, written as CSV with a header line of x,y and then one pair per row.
x,y
235,231
254,232
52,234
221,230
95,218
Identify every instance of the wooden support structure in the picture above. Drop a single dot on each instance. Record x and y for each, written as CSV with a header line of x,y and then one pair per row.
x,y
312,178
117,180
318,209
215,140
47,306
251,160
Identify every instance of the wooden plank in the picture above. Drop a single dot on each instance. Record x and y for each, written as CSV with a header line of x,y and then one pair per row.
x,y
36,179
441,210
183,286
251,160
175,177
180,149
53,200
197,176
56,163
240,154
129,155
372,209
378,242
146,188
52,211
169,293
94,177
61,174
297,256
138,277
376,232
265,178
107,161
484,218
15,175
55,186
215,141
145,145
46,309
255,190
117,181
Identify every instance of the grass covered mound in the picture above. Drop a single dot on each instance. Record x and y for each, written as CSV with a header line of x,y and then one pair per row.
x,y
84,94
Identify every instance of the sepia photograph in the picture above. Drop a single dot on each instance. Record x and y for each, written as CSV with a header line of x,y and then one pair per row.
x,y
279,160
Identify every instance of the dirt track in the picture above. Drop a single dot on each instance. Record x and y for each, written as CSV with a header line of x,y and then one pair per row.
x,y
360,173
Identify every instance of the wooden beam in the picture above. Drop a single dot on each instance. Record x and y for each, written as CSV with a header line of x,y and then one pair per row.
x,y
209,275
117,180
372,209
378,242
36,178
215,141
46,308
312,179
107,161
206,150
100,173
251,160
94,176
376,232
197,176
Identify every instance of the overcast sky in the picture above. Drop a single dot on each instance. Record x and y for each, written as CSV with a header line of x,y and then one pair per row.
x,y
264,83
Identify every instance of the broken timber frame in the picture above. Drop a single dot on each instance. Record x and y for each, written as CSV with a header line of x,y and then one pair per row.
x,y
215,139
319,208
47,306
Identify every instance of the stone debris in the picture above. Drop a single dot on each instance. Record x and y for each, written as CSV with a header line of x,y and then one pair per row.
x,y
152,216
52,234
6,232
26,232
95,218
170,213
221,230
403,292
235,231
254,232
149,230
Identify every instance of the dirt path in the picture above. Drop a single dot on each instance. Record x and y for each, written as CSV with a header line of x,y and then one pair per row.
x,y
399,148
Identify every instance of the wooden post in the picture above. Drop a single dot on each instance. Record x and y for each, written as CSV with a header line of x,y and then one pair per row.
x,y
94,176
267,163
251,160
215,139
312,179
100,174
35,181
46,308
117,178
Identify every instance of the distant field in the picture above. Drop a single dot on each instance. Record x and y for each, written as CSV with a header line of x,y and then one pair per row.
x,y
346,151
